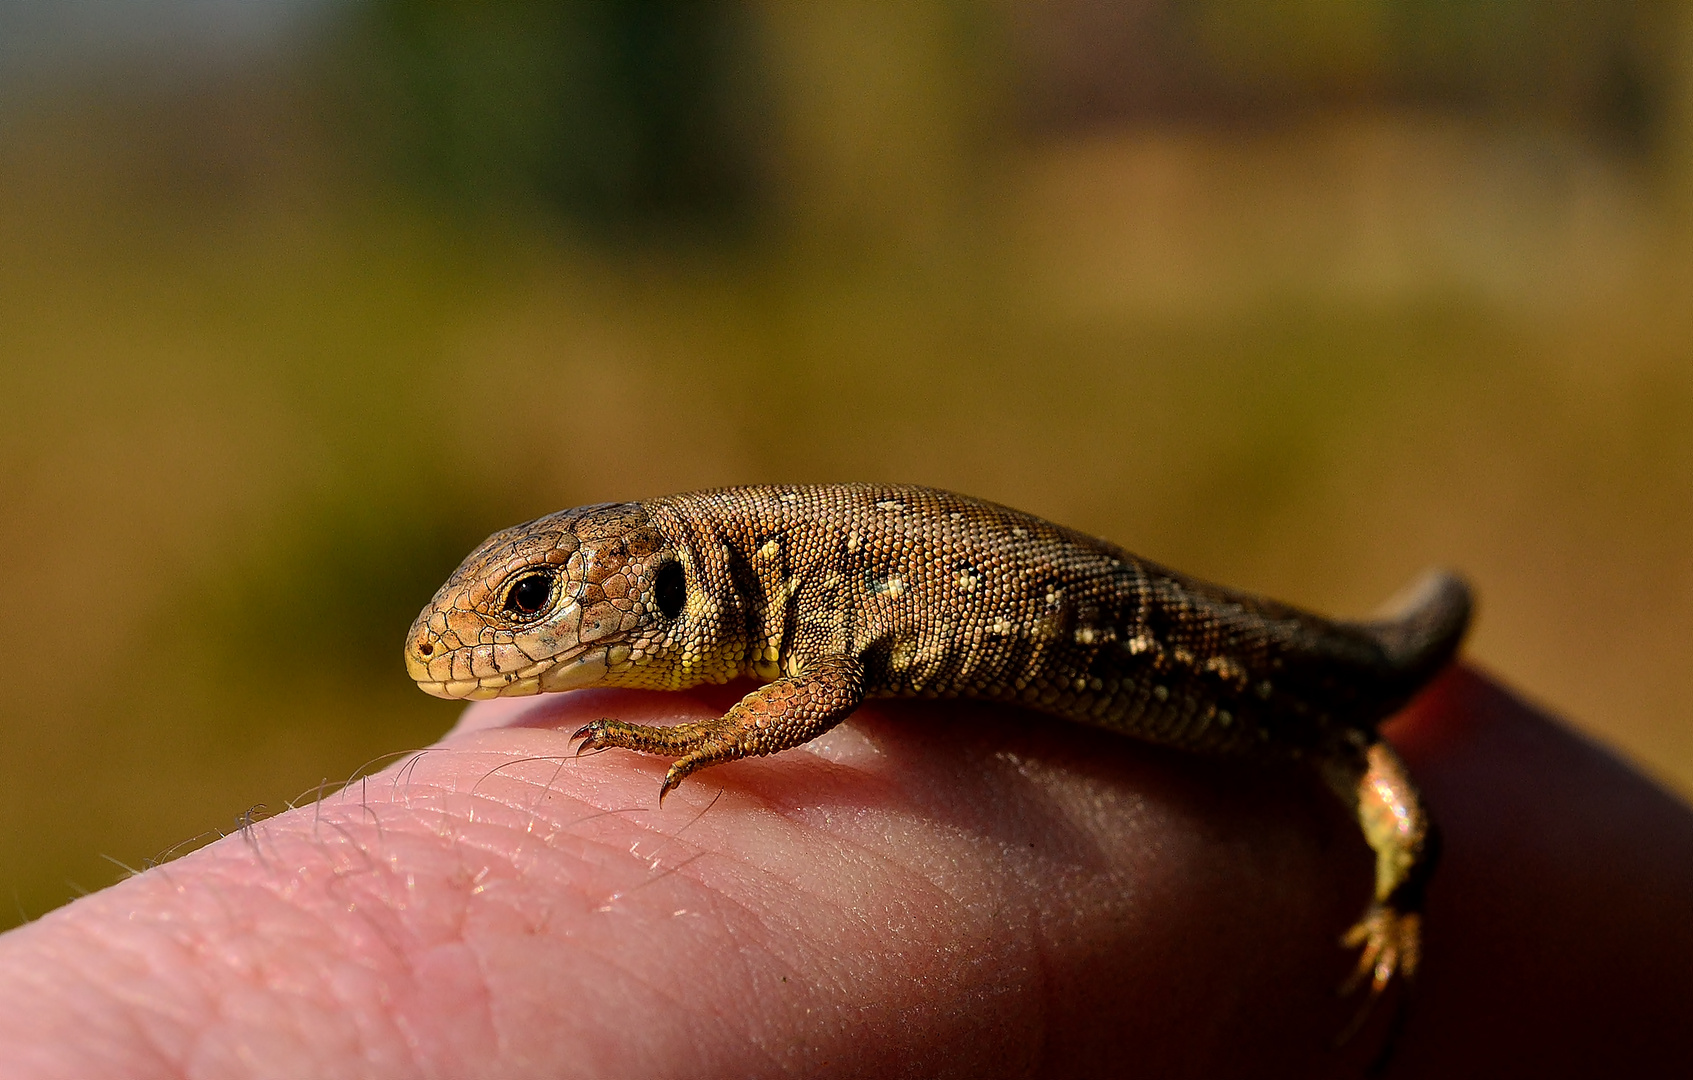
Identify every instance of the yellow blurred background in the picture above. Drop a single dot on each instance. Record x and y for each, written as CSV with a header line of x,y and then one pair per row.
x,y
300,300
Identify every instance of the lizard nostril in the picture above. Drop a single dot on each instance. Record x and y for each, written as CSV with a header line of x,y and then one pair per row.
x,y
426,649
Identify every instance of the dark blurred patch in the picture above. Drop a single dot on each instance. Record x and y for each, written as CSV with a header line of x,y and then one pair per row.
x,y
1598,66
618,115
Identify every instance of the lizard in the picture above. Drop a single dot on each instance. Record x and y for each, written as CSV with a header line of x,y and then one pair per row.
x,y
831,594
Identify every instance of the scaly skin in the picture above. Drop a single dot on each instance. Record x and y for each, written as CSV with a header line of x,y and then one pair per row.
x,y
831,594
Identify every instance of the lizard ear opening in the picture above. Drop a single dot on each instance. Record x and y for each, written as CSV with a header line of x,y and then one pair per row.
x,y
671,589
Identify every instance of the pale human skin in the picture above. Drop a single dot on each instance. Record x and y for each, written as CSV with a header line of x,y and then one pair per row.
x,y
931,889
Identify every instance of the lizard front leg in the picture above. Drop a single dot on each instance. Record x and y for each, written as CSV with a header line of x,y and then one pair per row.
x,y
777,716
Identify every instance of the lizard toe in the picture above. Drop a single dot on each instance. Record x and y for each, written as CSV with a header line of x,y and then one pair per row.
x,y
1391,944
595,735
713,753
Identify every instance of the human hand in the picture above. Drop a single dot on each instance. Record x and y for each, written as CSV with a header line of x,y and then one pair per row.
x,y
931,889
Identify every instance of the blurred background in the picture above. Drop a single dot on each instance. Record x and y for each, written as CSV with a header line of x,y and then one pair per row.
x,y
300,299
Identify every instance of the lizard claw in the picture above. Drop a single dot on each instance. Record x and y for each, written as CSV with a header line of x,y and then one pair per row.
x,y
672,778
593,736
683,766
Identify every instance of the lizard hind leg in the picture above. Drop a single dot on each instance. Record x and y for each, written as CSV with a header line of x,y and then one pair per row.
x,y
777,716
1377,788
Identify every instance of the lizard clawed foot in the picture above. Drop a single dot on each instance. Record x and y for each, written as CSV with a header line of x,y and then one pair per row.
x,y
782,714
697,745
1392,945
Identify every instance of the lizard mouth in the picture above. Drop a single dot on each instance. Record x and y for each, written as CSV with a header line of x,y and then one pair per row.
x,y
583,666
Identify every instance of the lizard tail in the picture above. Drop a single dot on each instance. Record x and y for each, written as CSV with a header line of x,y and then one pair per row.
x,y
1420,629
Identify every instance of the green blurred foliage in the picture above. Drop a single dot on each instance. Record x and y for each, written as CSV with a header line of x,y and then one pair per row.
x,y
641,112
280,343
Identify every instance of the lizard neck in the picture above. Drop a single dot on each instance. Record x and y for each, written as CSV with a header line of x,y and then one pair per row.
x,y
741,591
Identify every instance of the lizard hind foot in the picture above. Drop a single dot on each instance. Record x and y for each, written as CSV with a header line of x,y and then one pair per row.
x,y
1390,943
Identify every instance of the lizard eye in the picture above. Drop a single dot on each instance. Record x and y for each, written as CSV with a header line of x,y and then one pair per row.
x,y
671,589
528,595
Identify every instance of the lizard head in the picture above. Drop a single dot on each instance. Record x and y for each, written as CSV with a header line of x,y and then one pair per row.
x,y
572,599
